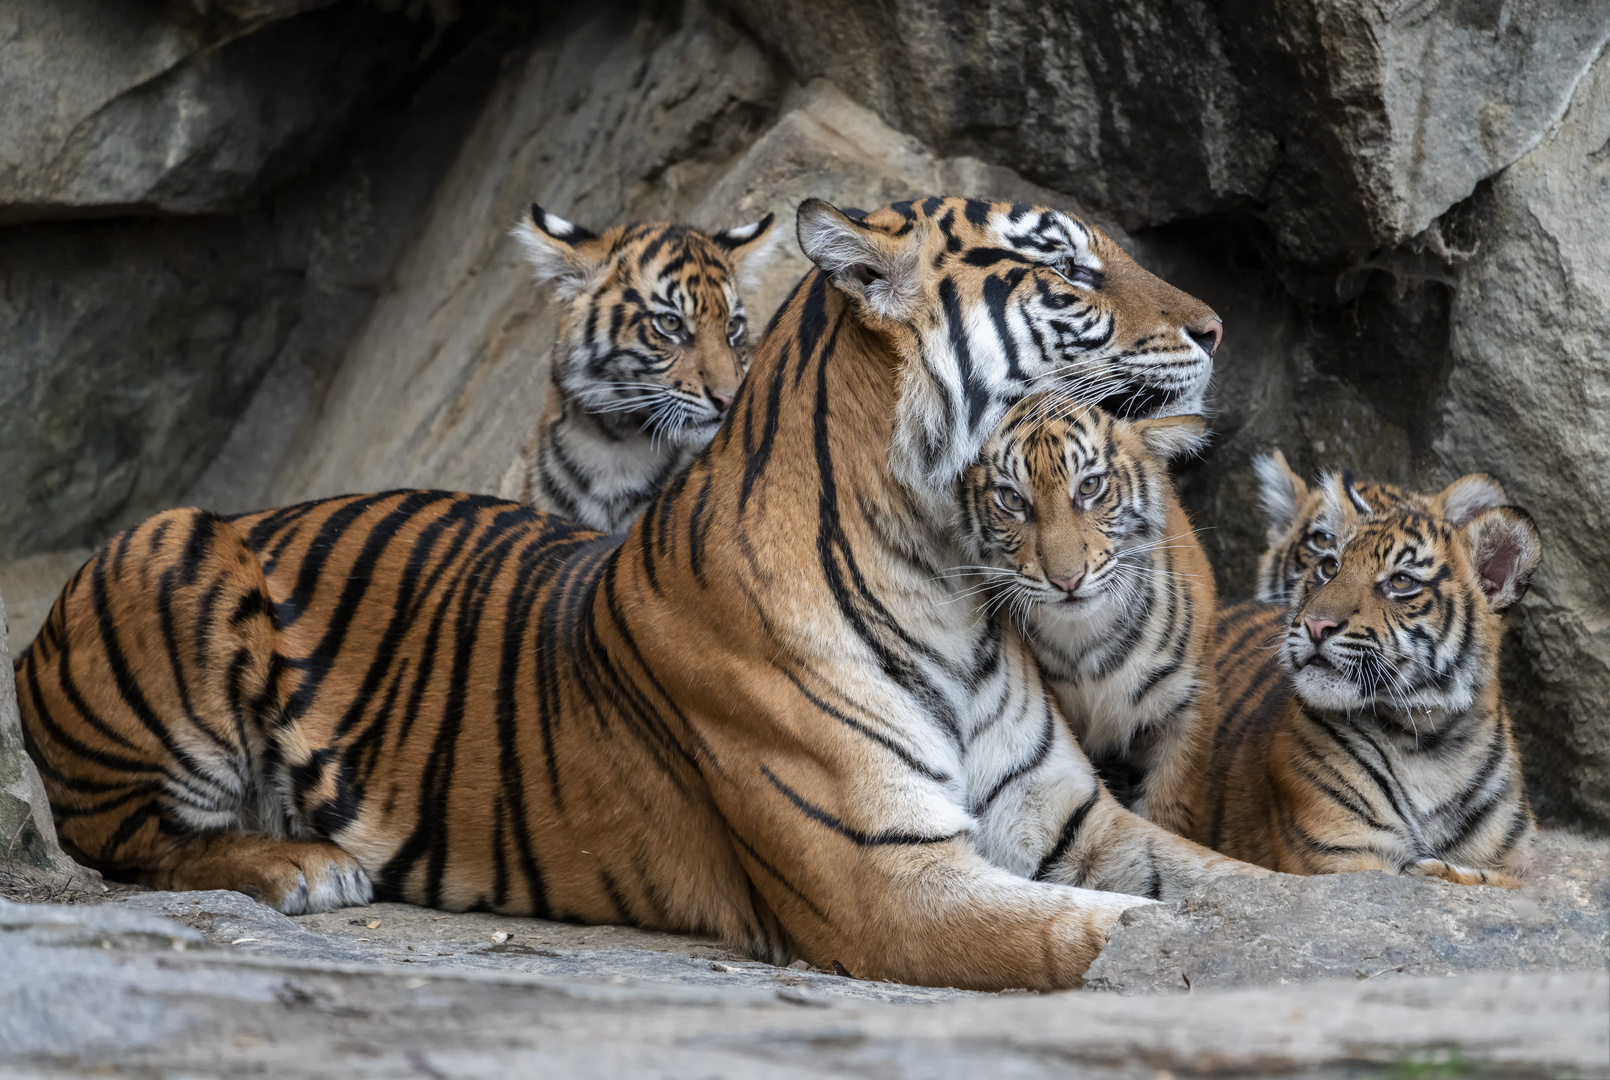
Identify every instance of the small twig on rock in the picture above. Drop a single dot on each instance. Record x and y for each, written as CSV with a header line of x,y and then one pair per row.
x,y
26,818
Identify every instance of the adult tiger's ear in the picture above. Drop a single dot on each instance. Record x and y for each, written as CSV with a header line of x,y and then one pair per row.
x,y
1281,491
557,249
749,247
1505,547
1170,437
882,271
1468,496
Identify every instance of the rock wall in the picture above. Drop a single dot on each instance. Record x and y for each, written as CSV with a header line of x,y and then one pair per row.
x,y
260,254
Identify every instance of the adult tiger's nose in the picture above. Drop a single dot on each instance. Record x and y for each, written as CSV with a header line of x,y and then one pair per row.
x,y
722,402
1320,629
1207,335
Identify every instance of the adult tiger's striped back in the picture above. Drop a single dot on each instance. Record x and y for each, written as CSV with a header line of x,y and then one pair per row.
x,y
651,346
757,714
1363,728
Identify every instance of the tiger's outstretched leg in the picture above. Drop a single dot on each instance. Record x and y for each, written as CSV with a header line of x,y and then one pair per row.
x,y
151,704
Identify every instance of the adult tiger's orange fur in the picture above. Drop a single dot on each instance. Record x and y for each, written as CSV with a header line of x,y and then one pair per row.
x,y
758,714
1363,728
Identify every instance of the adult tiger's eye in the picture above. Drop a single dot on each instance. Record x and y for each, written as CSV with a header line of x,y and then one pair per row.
x,y
735,329
1090,485
1328,566
1010,498
668,324
1402,582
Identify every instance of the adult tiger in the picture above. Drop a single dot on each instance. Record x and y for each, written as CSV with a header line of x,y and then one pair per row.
x,y
760,714
648,356
1363,727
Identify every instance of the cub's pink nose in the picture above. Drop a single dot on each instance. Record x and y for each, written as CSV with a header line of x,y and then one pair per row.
x,y
1320,629
722,401
1208,335
1068,584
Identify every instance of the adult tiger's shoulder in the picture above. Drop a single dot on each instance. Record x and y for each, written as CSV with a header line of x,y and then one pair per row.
x,y
1364,726
652,344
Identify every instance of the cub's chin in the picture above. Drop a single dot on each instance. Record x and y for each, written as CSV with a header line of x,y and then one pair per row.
x,y
1075,608
1321,685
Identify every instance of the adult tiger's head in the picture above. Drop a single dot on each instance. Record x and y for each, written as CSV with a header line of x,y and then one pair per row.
x,y
986,302
1403,614
1063,500
652,331
1293,509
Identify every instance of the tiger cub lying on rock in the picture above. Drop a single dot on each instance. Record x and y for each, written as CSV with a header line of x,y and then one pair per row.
x,y
1072,517
650,351
1361,727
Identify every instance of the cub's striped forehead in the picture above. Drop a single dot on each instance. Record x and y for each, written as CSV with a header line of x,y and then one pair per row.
x,y
1048,436
676,265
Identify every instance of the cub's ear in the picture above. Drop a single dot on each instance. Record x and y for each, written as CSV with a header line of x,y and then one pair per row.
x,y
749,247
1504,549
1468,496
557,249
1282,492
1170,437
880,270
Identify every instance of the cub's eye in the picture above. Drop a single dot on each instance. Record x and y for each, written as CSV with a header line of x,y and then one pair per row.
x,y
1401,582
736,328
1078,276
1328,566
1010,498
668,324
1319,538
1090,486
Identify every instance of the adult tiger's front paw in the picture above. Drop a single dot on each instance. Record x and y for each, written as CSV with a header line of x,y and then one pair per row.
x,y
1462,875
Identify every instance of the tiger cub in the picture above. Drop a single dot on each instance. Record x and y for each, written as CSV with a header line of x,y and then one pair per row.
x,y
1072,517
648,358
1296,540
1362,727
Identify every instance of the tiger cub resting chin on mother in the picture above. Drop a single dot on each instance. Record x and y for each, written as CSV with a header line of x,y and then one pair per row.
x,y
1362,727
651,347
1073,518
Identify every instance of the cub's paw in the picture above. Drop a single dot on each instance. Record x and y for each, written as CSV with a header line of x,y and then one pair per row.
x,y
1462,875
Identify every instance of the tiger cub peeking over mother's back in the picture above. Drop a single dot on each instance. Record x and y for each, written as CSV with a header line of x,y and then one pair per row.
x,y
1082,540
1363,727
651,347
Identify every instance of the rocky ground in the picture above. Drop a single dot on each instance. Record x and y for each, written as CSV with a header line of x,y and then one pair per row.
x,y
1356,975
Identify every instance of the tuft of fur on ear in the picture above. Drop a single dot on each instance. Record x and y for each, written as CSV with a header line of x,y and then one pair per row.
x,y
1468,496
557,249
1170,437
1505,548
1282,492
881,270
750,247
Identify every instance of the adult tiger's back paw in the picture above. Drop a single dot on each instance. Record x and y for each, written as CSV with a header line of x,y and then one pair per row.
x,y
293,877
